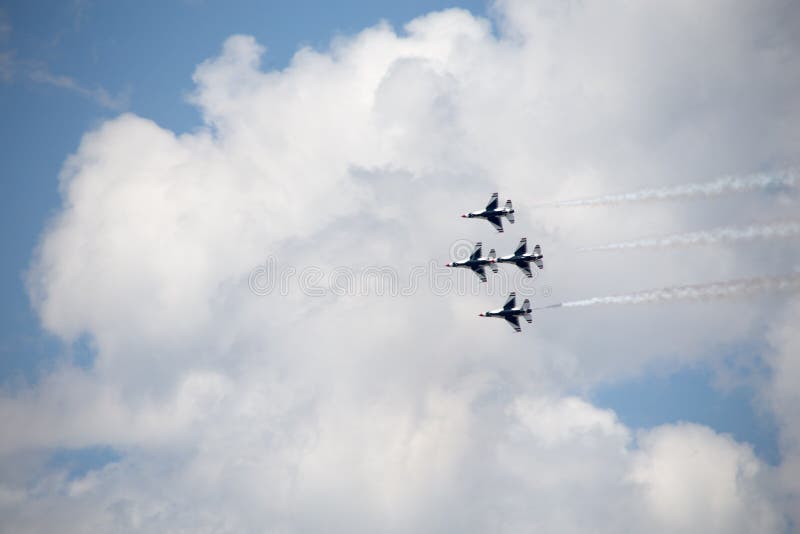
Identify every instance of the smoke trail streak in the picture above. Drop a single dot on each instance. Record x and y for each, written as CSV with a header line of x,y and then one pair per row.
x,y
725,234
721,186
548,307
714,290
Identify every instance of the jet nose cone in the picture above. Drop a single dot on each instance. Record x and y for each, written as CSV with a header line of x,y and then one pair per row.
x,y
481,315
448,265
464,215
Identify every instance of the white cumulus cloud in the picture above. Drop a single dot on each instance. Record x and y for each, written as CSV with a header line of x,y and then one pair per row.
x,y
238,412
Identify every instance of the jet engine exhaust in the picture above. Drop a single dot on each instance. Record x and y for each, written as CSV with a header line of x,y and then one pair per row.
x,y
725,234
720,186
697,292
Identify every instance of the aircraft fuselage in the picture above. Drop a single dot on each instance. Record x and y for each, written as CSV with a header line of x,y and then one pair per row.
x,y
527,258
504,313
485,214
480,262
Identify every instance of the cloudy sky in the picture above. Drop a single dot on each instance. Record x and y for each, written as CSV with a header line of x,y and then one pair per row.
x,y
225,306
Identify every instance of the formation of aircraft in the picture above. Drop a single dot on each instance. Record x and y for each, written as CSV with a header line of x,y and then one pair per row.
x,y
477,263
493,214
511,313
521,258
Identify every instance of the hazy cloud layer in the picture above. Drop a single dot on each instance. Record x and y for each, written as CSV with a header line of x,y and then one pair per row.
x,y
99,95
12,66
234,412
6,56
781,394
5,25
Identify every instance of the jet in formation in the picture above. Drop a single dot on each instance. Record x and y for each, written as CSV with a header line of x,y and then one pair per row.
x,y
511,313
522,259
477,263
493,214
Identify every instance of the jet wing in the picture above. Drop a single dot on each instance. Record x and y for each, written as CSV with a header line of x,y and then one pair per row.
x,y
492,205
480,272
511,302
513,320
477,252
522,248
526,268
496,222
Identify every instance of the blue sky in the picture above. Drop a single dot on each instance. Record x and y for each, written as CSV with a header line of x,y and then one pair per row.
x,y
74,67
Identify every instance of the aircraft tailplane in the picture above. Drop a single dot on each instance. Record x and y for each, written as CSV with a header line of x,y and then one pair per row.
x,y
509,211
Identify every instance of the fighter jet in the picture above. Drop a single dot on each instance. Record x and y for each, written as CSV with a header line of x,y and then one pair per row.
x,y
477,263
512,314
522,259
493,214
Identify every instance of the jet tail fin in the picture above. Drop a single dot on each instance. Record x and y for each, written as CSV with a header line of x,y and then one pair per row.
x,y
526,307
492,255
509,212
537,251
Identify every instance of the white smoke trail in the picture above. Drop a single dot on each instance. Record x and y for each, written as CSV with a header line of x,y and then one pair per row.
x,y
721,186
714,290
725,234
